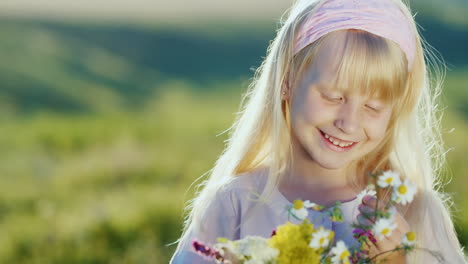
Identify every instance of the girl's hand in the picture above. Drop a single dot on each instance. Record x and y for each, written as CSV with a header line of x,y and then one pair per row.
x,y
385,244
229,257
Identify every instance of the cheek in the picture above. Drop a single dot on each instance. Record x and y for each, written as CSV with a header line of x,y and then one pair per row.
x,y
377,133
377,128
315,111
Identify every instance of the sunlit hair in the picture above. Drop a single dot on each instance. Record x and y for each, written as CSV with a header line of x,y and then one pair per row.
x,y
260,137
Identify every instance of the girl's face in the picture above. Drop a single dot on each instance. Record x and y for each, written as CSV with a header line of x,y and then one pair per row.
x,y
334,128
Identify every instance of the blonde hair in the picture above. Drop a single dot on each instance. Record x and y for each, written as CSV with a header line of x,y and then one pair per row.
x,y
260,136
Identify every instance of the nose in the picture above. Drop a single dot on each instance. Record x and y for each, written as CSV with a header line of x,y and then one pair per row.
x,y
348,119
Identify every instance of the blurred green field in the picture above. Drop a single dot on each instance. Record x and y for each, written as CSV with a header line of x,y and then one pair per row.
x,y
105,189
104,128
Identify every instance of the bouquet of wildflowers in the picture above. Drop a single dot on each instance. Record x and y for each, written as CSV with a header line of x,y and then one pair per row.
x,y
305,243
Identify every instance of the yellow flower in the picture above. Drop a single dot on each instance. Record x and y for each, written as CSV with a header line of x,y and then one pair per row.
x,y
340,253
405,192
298,204
293,243
336,215
389,178
321,238
298,210
383,227
409,239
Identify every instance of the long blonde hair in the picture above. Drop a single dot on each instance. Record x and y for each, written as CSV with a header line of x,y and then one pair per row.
x,y
260,136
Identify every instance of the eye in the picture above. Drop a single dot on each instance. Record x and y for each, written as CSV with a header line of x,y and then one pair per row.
x,y
335,98
373,108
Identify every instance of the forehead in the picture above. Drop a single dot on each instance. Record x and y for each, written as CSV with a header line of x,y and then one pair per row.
x,y
360,63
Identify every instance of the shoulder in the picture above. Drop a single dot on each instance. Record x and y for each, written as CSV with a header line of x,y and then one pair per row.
x,y
240,191
252,181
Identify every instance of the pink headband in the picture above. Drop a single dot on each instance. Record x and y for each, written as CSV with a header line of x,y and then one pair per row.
x,y
380,17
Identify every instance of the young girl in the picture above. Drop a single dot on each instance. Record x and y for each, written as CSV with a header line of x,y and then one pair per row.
x,y
344,91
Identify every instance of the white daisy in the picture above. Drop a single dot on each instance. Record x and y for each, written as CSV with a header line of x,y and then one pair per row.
x,y
389,178
298,210
320,239
383,228
256,248
366,191
404,192
314,206
409,239
309,204
340,253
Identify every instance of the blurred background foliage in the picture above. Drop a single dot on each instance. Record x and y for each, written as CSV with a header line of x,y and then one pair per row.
x,y
105,125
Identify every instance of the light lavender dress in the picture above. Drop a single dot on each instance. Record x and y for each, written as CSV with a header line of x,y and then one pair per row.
x,y
231,215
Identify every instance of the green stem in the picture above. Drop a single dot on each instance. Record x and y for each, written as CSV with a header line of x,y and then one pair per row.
x,y
385,252
435,254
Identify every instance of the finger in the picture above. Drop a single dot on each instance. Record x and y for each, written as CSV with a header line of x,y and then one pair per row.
x,y
369,200
366,209
371,247
364,220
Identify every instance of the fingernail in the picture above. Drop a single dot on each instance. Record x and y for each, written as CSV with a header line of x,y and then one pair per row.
x,y
368,198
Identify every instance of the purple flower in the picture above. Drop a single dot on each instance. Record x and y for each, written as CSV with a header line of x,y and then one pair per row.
x,y
273,233
201,248
206,251
358,232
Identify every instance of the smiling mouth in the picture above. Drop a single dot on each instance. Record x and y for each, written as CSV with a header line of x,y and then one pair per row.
x,y
338,142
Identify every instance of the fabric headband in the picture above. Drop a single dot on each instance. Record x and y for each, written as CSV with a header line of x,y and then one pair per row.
x,y
380,17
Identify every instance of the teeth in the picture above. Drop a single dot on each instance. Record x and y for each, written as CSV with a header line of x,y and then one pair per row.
x,y
336,142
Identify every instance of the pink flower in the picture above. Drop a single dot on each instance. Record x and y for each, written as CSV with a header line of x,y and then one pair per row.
x,y
358,232
206,251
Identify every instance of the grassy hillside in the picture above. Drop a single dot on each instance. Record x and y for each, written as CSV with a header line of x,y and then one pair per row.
x,y
73,68
82,68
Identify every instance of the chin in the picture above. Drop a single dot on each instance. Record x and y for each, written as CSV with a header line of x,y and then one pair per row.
x,y
332,164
